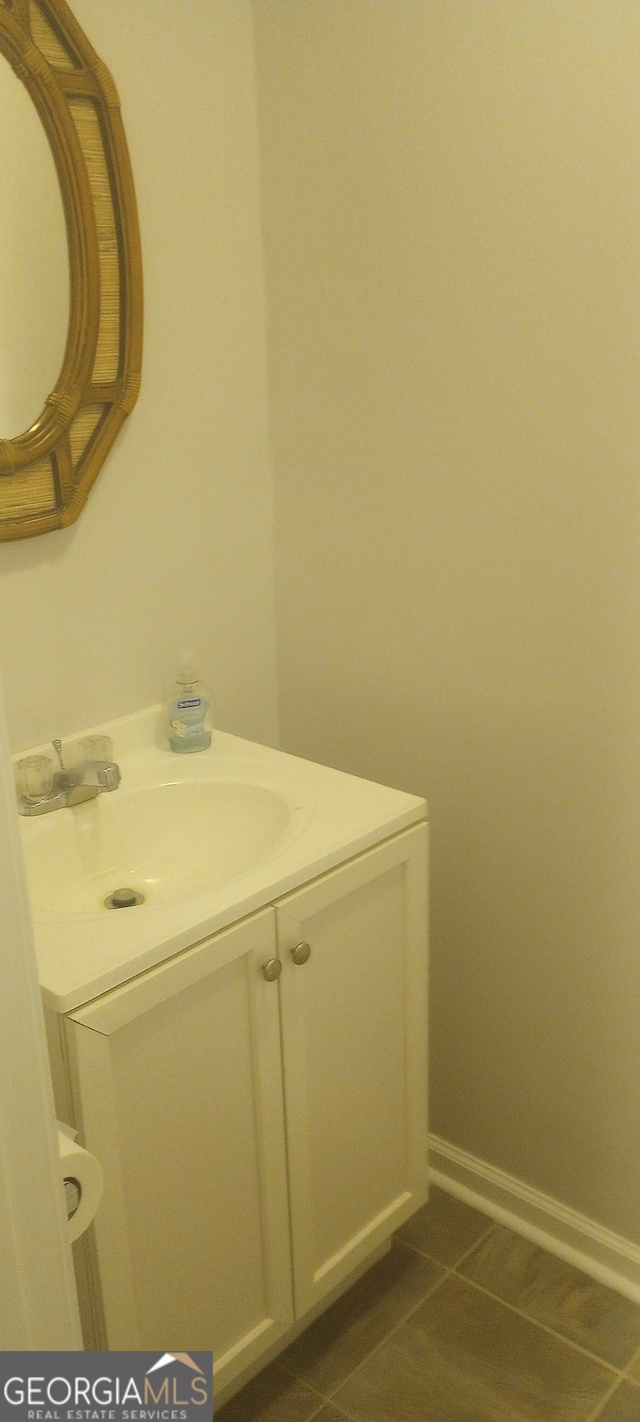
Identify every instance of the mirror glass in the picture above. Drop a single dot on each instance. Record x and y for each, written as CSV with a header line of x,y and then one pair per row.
x,y
34,261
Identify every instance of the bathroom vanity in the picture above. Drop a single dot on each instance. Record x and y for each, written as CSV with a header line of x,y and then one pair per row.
x,y
248,1059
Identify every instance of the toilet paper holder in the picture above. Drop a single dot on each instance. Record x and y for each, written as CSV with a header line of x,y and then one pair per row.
x,y
82,1180
72,1195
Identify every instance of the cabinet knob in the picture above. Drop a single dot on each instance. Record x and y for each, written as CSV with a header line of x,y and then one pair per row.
x,y
272,970
300,953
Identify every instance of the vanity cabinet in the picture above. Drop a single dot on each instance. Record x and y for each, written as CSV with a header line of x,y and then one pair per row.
x,y
354,1059
258,1103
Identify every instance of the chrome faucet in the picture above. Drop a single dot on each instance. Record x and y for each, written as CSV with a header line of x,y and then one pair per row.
x,y
45,789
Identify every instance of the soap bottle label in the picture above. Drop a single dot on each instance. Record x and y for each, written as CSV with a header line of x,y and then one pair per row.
x,y
187,731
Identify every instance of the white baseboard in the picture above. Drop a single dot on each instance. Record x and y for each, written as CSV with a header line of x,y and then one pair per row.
x,y
599,1252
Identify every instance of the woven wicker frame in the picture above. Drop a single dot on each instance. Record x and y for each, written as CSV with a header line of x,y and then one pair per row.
x,y
47,472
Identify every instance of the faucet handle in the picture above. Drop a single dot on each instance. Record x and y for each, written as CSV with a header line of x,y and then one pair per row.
x,y
36,777
96,748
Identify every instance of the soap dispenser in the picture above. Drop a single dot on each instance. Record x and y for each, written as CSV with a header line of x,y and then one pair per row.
x,y
188,709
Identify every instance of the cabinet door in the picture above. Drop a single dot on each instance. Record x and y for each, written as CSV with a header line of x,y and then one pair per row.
x,y
177,1089
354,1022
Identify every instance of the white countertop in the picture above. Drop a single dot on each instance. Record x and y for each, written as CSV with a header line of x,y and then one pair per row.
x,y
333,816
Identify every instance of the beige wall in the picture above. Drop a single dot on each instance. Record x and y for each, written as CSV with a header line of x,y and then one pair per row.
x,y
176,542
450,206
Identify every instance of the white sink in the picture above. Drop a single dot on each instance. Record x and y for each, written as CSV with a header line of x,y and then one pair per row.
x,y
165,841
207,839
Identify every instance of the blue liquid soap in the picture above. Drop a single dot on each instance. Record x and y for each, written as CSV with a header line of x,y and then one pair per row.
x,y
188,711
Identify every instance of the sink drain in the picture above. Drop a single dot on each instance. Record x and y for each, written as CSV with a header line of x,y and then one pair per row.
x,y
123,898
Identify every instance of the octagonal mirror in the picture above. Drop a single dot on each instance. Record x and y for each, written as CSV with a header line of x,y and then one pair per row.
x,y
85,321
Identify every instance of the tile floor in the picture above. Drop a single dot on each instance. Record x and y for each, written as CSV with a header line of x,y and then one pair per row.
x,y
462,1321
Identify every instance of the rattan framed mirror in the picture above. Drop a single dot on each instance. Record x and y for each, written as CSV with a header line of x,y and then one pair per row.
x,y
47,472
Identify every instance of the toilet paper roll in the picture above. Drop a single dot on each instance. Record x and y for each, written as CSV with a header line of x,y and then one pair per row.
x,y
78,1165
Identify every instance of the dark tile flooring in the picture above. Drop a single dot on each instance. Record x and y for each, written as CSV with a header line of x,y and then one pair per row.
x,y
462,1321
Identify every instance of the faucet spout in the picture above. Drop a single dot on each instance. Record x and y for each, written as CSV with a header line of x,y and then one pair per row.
x,y
104,774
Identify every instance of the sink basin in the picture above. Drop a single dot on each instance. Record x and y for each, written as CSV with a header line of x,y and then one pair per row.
x,y
207,839
166,841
